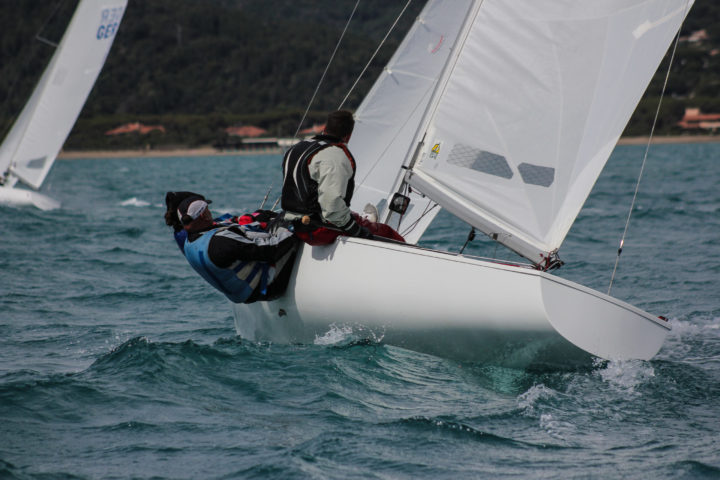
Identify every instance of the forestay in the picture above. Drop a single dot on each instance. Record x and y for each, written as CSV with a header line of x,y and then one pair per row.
x,y
529,109
39,133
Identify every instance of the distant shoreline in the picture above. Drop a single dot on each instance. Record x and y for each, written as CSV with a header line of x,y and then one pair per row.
x,y
663,140
210,151
162,152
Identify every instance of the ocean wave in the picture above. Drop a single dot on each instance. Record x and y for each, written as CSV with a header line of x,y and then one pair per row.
x,y
134,202
460,429
131,425
185,375
695,340
8,471
348,335
117,297
453,427
529,400
142,355
694,469
626,376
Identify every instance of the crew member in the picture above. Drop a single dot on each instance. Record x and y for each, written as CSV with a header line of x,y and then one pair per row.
x,y
318,183
245,262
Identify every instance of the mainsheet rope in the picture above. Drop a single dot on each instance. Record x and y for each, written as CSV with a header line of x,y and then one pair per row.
x,y
647,150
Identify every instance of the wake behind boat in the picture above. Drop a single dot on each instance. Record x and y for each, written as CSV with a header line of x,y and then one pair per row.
x,y
32,145
504,114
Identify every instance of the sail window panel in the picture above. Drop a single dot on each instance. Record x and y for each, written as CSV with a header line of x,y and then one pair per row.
x,y
497,165
36,163
536,174
480,160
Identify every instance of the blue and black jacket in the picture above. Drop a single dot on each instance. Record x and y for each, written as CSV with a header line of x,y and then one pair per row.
x,y
244,262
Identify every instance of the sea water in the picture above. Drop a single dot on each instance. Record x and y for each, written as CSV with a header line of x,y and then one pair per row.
x,y
118,361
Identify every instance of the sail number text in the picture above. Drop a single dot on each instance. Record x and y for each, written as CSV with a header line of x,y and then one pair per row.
x,y
109,22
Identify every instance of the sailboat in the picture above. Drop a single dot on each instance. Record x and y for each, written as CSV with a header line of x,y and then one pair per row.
x,y
504,114
37,136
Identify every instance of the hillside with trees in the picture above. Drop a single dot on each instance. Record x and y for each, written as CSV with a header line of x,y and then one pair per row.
x,y
199,66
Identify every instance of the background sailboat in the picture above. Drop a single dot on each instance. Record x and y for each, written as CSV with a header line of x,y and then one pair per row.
x,y
37,136
504,114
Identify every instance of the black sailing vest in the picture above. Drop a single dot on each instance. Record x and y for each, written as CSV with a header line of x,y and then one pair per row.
x,y
300,192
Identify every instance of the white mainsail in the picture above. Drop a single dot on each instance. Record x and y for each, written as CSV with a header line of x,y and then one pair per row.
x,y
529,109
30,148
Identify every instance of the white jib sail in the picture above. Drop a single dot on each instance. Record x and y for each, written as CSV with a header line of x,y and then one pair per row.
x,y
389,117
527,116
31,146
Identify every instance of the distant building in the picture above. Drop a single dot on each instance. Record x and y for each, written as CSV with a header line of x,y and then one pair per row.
x,y
246,131
698,36
314,130
695,120
135,127
285,143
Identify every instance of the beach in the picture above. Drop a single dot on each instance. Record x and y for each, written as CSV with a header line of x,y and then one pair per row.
x,y
208,150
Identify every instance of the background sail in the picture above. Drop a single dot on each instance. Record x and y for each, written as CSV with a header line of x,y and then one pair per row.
x,y
533,107
389,117
39,133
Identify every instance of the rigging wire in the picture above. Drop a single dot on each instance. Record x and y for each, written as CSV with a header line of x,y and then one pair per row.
x,y
317,89
647,150
382,42
428,208
327,67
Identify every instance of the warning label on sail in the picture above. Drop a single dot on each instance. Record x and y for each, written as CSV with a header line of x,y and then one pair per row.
x,y
435,150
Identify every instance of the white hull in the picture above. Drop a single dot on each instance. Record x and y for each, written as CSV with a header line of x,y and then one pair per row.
x,y
451,306
22,197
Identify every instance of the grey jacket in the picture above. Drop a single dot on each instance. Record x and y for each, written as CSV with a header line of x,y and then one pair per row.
x,y
332,171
